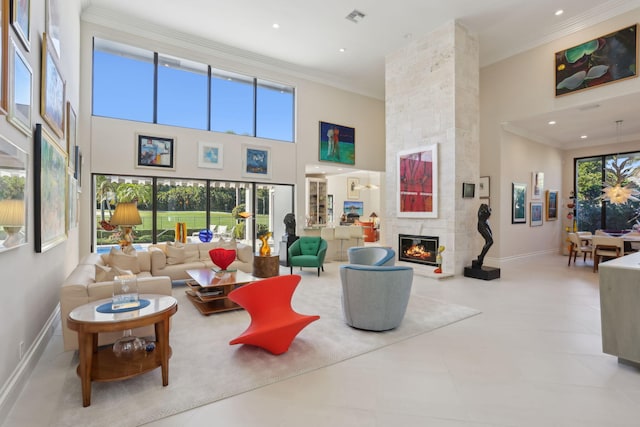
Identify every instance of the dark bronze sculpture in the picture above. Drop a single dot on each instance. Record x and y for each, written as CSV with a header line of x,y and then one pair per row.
x,y
290,224
484,212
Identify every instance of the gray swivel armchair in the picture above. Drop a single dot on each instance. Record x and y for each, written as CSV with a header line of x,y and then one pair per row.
x,y
371,255
375,298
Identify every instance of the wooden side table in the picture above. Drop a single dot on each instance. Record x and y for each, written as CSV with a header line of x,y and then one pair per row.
x,y
266,266
102,364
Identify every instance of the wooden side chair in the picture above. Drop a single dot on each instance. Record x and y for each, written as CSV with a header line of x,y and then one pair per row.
x,y
606,247
274,324
577,246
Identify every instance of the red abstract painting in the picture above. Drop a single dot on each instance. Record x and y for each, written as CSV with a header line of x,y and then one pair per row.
x,y
417,182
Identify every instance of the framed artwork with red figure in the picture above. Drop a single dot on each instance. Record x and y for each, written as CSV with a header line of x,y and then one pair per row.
x,y
418,182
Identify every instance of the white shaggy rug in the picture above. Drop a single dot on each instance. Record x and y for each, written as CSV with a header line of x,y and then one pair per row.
x,y
204,368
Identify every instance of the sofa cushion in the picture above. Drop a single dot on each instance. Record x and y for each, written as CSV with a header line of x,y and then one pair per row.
x,y
204,248
106,274
175,254
123,261
160,246
245,254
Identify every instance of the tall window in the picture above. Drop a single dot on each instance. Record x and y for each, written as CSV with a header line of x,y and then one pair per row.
x,y
274,105
125,87
593,210
182,93
179,201
232,102
122,81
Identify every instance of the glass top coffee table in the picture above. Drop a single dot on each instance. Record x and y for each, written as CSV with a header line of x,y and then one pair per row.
x,y
209,289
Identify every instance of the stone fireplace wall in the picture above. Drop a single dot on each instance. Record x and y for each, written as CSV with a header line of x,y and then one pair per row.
x,y
432,97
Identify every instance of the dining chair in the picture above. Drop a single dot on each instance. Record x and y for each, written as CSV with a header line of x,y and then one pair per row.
x,y
577,246
606,247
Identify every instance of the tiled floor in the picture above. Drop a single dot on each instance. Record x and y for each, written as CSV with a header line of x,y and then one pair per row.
x,y
532,358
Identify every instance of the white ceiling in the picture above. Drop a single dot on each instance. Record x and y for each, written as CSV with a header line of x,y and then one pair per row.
x,y
312,32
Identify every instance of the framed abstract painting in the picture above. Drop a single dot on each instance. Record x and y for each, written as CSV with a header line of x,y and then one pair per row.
x,y
155,152
256,162
552,205
52,102
337,144
602,60
417,187
536,214
518,203
210,155
50,191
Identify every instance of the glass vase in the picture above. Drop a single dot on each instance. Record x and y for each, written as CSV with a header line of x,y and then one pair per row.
x,y
128,345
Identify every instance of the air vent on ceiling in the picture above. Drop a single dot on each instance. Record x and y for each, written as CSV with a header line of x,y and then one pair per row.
x,y
355,16
589,107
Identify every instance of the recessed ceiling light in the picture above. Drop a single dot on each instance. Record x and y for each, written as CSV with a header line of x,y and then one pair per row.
x,y
276,26
559,12
342,49
583,137
552,122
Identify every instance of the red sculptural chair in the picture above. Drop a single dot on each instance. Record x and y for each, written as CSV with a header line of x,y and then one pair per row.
x,y
274,324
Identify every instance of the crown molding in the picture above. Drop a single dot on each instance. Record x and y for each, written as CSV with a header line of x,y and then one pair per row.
x,y
588,18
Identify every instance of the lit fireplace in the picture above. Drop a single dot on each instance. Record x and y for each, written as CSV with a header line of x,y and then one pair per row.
x,y
418,249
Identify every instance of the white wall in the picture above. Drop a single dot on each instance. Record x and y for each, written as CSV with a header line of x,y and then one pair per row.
x,y
31,281
519,87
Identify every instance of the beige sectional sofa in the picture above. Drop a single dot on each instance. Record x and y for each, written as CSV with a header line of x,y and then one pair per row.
x,y
156,268
174,259
81,287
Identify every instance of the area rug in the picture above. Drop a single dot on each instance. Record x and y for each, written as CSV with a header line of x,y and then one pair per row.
x,y
204,368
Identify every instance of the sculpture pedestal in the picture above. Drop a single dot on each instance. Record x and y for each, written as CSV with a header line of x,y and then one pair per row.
x,y
266,266
484,273
287,241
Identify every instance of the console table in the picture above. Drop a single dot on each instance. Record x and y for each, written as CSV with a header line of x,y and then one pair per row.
x,y
619,302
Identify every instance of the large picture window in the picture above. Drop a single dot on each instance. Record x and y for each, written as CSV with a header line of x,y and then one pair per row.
x,y
231,210
594,211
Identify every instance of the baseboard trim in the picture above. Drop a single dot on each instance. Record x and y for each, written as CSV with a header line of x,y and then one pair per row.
x,y
16,382
495,262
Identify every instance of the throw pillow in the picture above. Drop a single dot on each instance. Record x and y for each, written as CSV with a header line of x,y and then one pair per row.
x,y
204,249
123,261
175,255
104,273
129,250
231,244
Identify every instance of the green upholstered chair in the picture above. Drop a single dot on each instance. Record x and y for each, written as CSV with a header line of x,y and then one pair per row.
x,y
308,251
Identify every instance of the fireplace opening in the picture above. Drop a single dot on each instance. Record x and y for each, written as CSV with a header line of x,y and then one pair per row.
x,y
418,249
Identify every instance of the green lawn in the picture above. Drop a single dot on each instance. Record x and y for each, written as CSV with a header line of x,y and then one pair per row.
x,y
167,221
